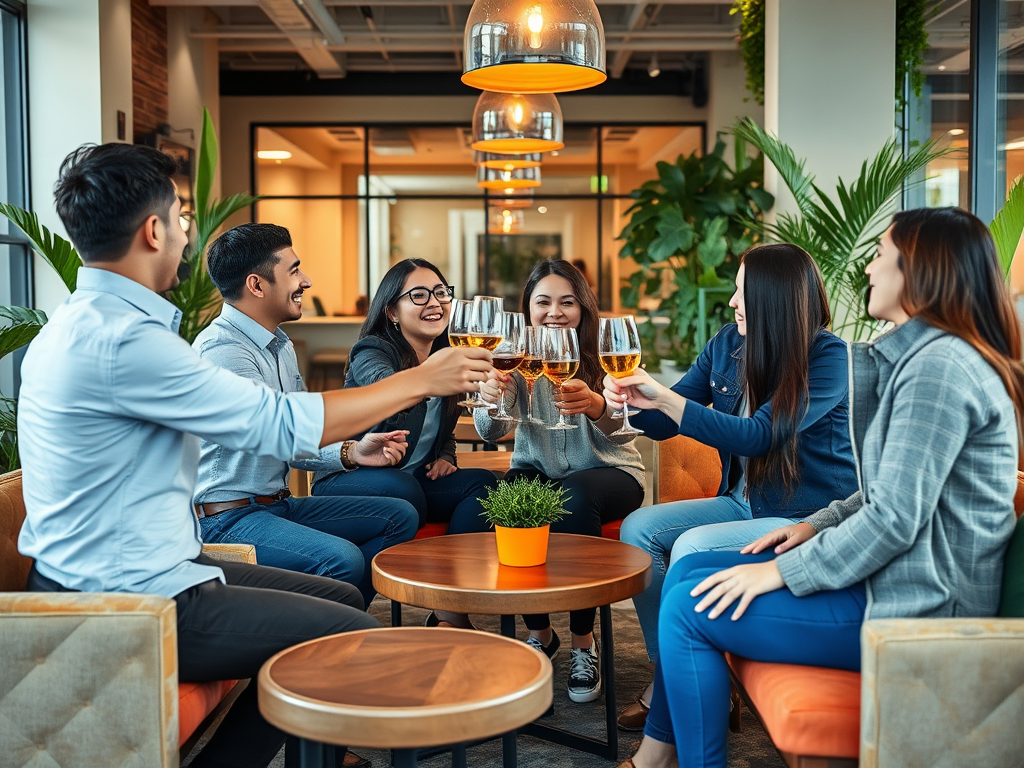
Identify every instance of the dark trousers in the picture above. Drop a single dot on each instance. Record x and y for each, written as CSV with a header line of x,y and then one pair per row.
x,y
598,496
451,499
228,631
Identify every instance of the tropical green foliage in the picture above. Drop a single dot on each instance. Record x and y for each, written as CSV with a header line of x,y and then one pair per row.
x,y
19,325
524,503
1008,225
197,297
751,13
839,233
687,230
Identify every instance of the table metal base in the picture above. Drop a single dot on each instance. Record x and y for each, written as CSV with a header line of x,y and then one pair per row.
x,y
608,749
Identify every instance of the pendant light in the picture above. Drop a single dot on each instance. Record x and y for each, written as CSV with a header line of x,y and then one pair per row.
x,y
513,199
517,124
506,221
534,46
520,178
506,162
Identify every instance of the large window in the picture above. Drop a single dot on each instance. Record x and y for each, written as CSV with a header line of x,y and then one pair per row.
x,y
359,198
15,261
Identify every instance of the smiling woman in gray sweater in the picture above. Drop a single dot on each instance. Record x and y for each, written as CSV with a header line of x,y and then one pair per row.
x,y
935,421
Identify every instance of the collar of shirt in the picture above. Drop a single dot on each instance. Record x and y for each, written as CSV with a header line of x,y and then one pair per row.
x,y
895,343
136,294
259,335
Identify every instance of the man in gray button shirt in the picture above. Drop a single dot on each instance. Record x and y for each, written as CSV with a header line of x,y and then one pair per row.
x,y
243,497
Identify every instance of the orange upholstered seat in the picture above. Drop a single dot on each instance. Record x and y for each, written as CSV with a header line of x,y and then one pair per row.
x,y
805,710
686,470
196,701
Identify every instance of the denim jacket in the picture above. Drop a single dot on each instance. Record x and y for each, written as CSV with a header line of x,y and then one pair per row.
x,y
823,444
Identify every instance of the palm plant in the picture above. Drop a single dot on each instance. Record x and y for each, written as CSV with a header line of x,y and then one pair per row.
x,y
23,324
197,297
840,234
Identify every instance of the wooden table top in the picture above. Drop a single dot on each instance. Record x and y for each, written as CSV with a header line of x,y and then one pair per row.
x,y
461,573
405,687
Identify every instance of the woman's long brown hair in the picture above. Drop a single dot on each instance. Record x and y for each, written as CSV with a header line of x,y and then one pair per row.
x,y
590,366
786,309
953,281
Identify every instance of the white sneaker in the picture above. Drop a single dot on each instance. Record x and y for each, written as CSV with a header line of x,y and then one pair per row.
x,y
585,673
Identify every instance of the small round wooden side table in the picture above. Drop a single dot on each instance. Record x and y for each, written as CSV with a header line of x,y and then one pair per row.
x,y
402,689
461,573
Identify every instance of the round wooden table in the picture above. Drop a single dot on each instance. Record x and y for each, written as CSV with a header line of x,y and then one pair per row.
x,y
402,689
461,573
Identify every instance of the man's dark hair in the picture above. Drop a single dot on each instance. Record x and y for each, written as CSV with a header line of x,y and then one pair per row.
x,y
104,194
249,249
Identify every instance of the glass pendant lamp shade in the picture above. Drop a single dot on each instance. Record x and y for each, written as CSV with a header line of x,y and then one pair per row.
x,y
512,199
516,123
506,162
520,178
505,221
534,46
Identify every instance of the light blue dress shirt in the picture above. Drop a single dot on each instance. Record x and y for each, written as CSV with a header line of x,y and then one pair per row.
x,y
113,403
241,345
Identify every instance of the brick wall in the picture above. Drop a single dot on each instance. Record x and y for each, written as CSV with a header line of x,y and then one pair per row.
x,y
149,66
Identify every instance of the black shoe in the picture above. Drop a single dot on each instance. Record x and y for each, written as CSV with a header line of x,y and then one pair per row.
x,y
585,673
550,650
433,621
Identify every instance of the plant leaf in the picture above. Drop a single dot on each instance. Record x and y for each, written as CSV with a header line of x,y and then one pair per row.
x,y
207,162
793,171
57,251
714,247
1008,225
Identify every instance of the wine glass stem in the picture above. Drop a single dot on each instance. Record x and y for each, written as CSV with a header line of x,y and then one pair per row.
x,y
561,414
529,400
625,417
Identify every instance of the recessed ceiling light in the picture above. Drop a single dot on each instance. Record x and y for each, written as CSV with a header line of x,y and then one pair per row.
x,y
542,209
555,153
956,131
274,154
942,67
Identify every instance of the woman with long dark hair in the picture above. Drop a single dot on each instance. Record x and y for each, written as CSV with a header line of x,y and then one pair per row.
x,y
777,383
407,322
603,475
937,433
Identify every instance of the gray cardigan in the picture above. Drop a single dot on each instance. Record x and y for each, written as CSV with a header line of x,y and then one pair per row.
x,y
935,441
558,453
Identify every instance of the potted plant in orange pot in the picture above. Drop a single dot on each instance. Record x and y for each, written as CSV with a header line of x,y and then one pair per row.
x,y
521,512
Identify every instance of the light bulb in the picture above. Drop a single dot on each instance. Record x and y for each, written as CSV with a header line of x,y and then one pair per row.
x,y
517,114
509,167
535,23
510,191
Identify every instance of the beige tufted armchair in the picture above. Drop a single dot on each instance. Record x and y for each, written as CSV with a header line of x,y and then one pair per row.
x,y
90,680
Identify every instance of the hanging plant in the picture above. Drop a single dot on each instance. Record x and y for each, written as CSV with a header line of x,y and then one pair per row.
x,y
912,17
751,13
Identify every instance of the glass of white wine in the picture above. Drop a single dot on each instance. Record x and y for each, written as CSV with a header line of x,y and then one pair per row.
x,y
561,361
476,323
509,354
618,346
532,366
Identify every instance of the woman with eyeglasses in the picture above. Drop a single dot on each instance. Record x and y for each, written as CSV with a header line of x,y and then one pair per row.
x,y
408,321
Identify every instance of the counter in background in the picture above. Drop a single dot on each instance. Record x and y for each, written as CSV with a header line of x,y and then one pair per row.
x,y
314,334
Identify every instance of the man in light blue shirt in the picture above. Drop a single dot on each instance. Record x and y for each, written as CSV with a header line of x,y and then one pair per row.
x,y
112,407
243,498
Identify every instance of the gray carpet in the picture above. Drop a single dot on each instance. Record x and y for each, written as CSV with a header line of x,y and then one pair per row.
x,y
750,748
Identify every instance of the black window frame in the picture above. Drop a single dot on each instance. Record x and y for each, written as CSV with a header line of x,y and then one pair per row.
x,y
599,197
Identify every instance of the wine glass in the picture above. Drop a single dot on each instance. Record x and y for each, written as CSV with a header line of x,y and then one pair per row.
x,y
561,361
532,366
476,323
618,347
509,354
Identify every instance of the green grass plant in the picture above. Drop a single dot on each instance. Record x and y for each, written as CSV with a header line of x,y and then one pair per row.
x,y
524,503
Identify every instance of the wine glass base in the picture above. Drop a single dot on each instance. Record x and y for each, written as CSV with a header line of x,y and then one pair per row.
x,y
502,417
564,426
624,431
477,404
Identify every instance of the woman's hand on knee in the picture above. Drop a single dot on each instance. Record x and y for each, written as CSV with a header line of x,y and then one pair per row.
x,y
783,539
741,582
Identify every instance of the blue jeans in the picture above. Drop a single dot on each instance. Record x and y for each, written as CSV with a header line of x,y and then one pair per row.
x,y
690,705
451,499
669,531
333,537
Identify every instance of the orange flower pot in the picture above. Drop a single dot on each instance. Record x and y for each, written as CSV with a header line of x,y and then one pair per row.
x,y
522,547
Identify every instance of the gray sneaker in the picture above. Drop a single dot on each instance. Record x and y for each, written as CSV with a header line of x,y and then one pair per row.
x,y
585,673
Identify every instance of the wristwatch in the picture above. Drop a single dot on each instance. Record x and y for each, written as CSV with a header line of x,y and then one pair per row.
x,y
346,449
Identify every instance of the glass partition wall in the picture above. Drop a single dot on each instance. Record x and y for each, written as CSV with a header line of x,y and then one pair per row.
x,y
359,198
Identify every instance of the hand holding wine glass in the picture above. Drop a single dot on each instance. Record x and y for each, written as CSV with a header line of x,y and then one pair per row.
x,y
639,387
618,346
476,323
532,366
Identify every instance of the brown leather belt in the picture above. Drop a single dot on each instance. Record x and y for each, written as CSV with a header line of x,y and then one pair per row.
x,y
216,507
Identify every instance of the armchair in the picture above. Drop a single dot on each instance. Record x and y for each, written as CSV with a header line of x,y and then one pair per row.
x,y
92,679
